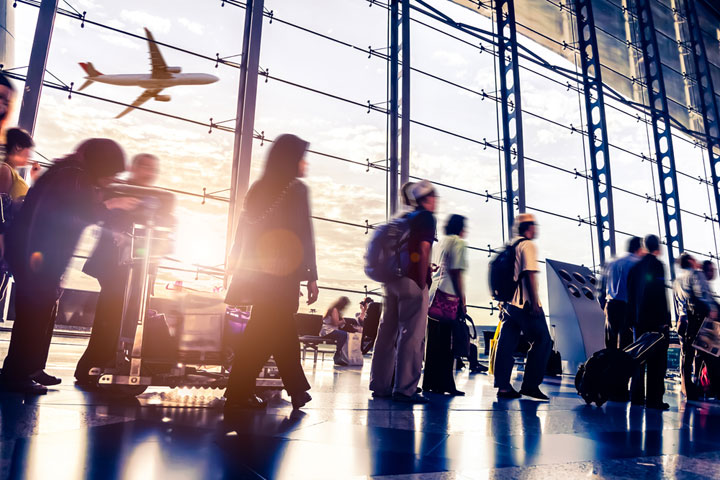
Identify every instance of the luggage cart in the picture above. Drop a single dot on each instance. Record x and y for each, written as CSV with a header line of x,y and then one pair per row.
x,y
197,352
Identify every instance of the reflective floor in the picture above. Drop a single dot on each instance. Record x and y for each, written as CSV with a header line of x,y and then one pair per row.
x,y
343,433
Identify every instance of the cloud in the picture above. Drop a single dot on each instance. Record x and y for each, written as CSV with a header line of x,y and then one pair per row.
x,y
154,23
452,59
194,27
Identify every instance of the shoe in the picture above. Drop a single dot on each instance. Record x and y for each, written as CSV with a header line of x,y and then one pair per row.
x,y
381,395
534,393
456,393
340,363
44,379
418,390
459,365
25,386
509,395
414,398
299,400
659,406
479,368
251,402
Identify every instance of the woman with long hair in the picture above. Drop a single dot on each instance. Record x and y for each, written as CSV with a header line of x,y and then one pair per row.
x,y
332,328
18,145
448,286
274,251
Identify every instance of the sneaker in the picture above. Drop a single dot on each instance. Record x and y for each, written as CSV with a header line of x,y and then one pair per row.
x,y
44,379
251,402
381,395
534,393
509,395
26,386
414,398
299,400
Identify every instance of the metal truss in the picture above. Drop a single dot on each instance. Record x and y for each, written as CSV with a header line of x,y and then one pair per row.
x,y
510,105
597,128
660,117
399,101
708,101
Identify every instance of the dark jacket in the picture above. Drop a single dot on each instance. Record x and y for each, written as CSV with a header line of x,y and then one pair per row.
x,y
647,298
46,230
277,244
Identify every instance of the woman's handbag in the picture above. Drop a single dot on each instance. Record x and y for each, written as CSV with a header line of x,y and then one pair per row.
x,y
444,307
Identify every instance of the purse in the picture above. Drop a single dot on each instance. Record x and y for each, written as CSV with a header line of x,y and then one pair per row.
x,y
444,307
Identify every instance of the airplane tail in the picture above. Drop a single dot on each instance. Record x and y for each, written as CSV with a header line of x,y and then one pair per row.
x,y
90,69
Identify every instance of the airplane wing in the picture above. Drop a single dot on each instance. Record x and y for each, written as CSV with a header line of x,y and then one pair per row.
x,y
146,95
157,62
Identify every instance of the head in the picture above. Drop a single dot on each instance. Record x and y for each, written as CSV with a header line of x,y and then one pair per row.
x,y
708,268
455,225
406,194
687,262
652,244
366,302
7,94
144,169
102,158
526,225
425,196
340,304
18,144
634,245
285,160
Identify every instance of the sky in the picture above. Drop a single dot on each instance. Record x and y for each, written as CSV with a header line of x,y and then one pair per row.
x,y
193,159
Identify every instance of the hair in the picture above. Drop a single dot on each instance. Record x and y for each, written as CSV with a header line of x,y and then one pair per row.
x,y
340,304
685,260
634,244
524,227
652,243
142,156
17,139
101,157
455,225
5,82
406,195
707,265
367,301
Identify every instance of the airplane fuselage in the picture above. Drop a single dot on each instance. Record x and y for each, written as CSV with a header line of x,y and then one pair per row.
x,y
146,81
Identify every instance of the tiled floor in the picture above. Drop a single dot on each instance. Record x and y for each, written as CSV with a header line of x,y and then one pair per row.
x,y
344,433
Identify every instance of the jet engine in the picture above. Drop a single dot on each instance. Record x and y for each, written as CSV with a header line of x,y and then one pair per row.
x,y
174,69
162,98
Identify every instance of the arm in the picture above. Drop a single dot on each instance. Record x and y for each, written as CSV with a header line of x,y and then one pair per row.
x,y
335,318
308,238
457,282
423,265
701,291
531,285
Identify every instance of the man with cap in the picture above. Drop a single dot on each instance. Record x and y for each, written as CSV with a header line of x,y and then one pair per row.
x,y
524,314
39,246
401,334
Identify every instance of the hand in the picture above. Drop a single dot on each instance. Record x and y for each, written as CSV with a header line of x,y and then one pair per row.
x,y
123,203
713,314
537,309
312,291
35,171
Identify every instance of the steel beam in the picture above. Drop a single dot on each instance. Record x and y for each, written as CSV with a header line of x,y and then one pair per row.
x,y
708,101
394,105
245,118
405,92
38,61
399,101
597,129
660,115
511,107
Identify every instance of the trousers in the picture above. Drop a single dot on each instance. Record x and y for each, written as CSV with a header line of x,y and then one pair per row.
x,y
618,333
515,320
439,359
399,346
648,381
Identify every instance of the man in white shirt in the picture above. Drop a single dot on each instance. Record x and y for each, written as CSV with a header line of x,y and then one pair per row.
x,y
524,314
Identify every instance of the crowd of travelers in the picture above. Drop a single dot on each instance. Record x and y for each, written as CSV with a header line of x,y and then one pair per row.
x,y
422,332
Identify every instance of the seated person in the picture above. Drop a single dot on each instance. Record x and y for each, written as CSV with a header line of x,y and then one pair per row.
x,y
333,323
362,314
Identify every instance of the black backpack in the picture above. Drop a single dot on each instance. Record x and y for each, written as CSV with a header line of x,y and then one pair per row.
x,y
502,273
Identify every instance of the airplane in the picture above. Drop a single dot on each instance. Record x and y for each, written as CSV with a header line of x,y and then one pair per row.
x,y
160,78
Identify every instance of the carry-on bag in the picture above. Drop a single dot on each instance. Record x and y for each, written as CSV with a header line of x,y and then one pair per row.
x,y
609,370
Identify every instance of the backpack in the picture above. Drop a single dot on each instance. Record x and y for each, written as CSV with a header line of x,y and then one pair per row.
x,y
387,257
502,273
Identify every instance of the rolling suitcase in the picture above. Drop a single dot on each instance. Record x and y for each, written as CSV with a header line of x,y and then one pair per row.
x,y
608,370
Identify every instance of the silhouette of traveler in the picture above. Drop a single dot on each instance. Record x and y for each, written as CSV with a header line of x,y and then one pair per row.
x,y
274,251
18,145
331,328
649,312
401,334
106,264
618,332
524,314
693,304
447,293
40,244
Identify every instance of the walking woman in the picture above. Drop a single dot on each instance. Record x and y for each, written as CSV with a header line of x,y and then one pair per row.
x,y
448,289
274,251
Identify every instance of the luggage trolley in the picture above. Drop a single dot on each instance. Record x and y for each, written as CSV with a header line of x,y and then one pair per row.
x,y
196,349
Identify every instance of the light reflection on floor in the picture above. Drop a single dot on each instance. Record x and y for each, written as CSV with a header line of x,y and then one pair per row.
x,y
344,433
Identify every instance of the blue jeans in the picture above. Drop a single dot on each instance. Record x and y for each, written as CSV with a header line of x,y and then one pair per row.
x,y
340,337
